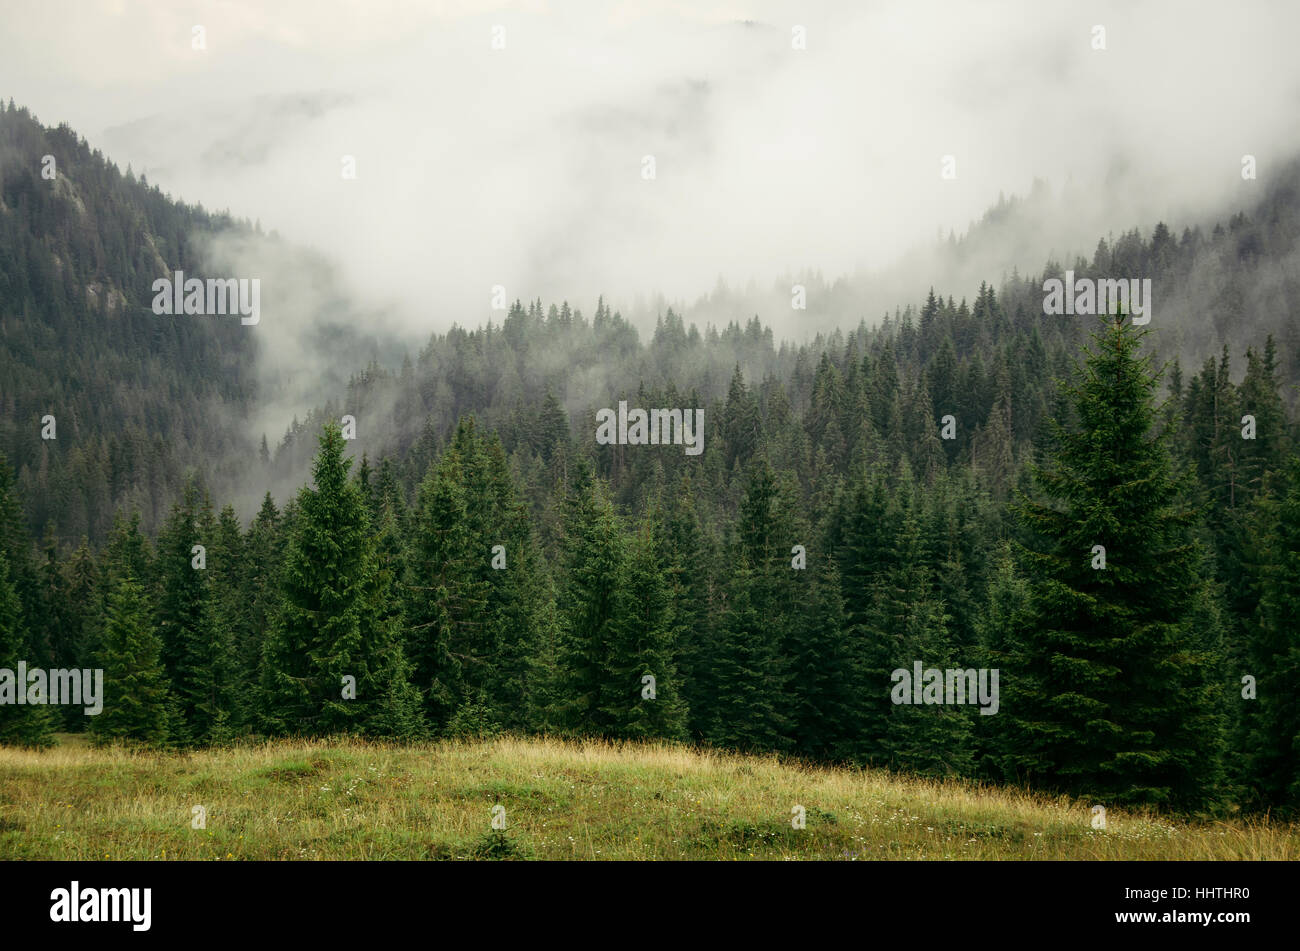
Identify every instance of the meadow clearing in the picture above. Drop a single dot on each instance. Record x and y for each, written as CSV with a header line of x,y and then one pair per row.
x,y
560,800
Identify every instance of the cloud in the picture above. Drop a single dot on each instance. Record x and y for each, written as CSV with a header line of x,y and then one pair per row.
x,y
522,166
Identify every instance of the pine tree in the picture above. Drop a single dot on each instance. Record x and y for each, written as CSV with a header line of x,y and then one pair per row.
x,y
518,612
594,552
1000,621
137,707
196,645
1272,740
641,645
264,548
909,624
445,600
746,710
24,724
820,672
332,662
683,555
1109,692
229,573
81,616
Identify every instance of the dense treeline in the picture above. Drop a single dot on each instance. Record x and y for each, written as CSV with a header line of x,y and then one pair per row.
x,y
138,399
1118,537
767,613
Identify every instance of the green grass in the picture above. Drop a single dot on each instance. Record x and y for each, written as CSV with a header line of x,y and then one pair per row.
x,y
348,799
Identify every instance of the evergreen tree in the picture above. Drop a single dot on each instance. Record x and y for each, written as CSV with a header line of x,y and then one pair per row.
x,y
762,544
447,636
746,710
137,707
820,672
684,559
741,426
517,594
1273,659
197,646
998,625
1265,451
595,552
229,575
909,624
264,549
641,645
81,617
1110,694
332,662
552,432
16,543
24,724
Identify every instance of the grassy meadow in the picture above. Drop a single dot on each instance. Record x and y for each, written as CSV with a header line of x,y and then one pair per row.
x,y
349,799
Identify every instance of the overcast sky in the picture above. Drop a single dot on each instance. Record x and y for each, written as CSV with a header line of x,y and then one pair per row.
x,y
523,166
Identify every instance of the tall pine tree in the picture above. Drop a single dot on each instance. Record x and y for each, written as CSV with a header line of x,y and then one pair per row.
x,y
1109,690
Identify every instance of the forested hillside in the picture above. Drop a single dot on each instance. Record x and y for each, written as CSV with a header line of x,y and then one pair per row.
x,y
134,397
933,489
137,399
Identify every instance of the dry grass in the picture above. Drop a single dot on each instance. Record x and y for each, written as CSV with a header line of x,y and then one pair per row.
x,y
347,799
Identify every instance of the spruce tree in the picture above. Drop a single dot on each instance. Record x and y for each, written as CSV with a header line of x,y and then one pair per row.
x,y
229,583
766,535
1000,620
594,553
683,555
20,724
1272,735
746,712
641,646
445,600
820,671
81,615
910,624
518,612
196,643
332,662
265,554
1109,690
397,712
16,543
137,707
59,623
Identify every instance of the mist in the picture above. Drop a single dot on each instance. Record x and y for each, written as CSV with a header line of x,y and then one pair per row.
x,y
523,166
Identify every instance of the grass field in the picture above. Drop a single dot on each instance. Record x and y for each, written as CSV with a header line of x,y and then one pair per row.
x,y
563,800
